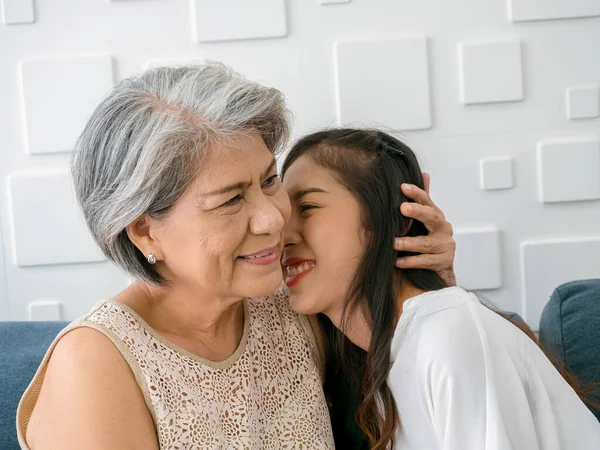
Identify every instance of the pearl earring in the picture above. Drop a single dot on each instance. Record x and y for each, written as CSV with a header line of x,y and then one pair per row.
x,y
151,258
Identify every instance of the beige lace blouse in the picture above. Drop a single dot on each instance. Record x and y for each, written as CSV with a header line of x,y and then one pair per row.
x,y
267,395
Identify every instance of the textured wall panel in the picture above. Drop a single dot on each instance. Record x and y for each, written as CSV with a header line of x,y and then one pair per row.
x,y
568,170
46,222
496,173
384,82
17,11
583,102
526,10
45,310
229,20
546,265
490,72
478,262
59,95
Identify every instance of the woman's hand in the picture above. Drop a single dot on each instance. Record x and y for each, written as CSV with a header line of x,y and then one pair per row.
x,y
438,248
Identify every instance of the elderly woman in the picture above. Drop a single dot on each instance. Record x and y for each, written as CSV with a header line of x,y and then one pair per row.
x,y
176,176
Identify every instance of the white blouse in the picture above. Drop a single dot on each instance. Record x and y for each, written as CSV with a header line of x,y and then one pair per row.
x,y
464,378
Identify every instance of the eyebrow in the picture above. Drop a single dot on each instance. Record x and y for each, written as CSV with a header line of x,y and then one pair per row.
x,y
301,193
238,186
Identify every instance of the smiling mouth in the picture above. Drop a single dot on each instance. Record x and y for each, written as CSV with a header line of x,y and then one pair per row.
x,y
261,255
264,257
295,272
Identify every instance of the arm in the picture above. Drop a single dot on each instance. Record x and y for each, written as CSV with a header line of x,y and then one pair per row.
x,y
436,249
89,399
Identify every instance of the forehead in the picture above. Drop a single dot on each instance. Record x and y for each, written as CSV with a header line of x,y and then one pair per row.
x,y
241,156
304,172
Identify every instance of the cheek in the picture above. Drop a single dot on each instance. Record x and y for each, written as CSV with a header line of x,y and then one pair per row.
x,y
281,200
208,249
336,246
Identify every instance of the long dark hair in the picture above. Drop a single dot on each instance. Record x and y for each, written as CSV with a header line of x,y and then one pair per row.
x,y
372,165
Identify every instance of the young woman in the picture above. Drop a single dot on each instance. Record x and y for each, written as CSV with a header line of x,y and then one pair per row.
x,y
423,365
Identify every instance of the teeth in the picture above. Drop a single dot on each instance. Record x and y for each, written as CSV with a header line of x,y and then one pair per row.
x,y
297,269
257,256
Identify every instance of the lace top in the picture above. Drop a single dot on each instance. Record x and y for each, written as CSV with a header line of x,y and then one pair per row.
x,y
267,395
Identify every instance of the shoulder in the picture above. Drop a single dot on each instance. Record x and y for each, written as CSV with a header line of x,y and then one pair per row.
x,y
458,336
87,382
84,348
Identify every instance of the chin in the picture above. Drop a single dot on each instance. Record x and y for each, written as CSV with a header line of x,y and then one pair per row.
x,y
302,304
266,285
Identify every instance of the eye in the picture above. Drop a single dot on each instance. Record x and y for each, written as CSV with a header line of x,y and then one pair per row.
x,y
304,207
234,201
271,181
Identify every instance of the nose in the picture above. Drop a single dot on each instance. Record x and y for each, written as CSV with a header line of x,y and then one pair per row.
x,y
267,218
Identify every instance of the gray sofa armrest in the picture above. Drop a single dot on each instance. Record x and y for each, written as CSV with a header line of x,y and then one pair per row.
x,y
570,329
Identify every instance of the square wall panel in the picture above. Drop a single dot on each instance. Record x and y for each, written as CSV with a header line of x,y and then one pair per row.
x,y
45,310
583,102
17,11
478,261
490,72
546,265
528,10
230,20
59,96
496,173
47,225
568,170
384,83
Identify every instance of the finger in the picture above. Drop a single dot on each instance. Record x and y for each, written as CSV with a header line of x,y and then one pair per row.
x,y
428,262
423,244
427,181
432,218
417,194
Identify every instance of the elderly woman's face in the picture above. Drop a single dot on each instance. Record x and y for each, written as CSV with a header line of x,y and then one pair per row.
x,y
224,235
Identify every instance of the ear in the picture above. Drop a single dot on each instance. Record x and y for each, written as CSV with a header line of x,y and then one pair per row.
x,y
141,233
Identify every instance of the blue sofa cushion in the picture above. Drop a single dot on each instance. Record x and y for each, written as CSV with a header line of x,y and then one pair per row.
x,y
570,330
22,348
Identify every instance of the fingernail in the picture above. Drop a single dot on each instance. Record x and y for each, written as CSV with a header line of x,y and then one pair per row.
x,y
399,242
400,262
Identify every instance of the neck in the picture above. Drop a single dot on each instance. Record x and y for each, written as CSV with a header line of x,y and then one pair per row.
x,y
210,327
356,327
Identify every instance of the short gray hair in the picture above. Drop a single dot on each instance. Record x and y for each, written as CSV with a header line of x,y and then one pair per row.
x,y
144,144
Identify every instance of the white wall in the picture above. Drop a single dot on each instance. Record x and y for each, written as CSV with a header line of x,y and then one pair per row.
x,y
465,80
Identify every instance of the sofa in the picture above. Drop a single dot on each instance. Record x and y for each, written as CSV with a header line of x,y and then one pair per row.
x,y
22,348
569,329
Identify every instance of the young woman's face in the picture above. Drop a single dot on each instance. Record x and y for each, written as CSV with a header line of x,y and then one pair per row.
x,y
323,239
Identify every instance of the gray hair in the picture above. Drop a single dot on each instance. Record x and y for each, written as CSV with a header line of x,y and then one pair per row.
x,y
144,144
